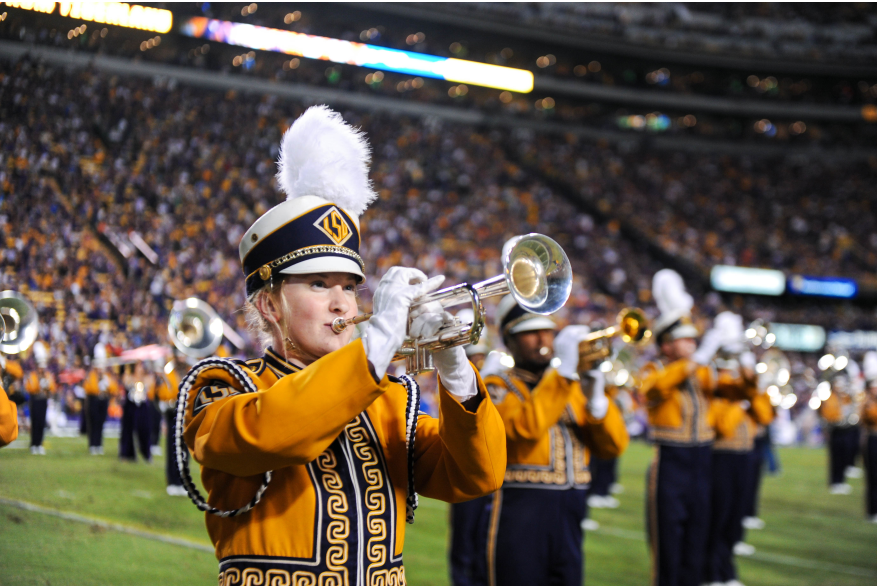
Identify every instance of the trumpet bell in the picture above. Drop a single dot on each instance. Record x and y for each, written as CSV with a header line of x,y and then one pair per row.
x,y
19,319
194,328
538,273
634,326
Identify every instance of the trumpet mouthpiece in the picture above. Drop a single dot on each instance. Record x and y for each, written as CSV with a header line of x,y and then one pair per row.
x,y
339,325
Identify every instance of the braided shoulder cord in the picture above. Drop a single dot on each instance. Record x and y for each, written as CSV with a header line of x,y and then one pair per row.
x,y
183,461
412,409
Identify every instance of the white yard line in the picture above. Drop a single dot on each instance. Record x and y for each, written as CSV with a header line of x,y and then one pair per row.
x,y
760,556
30,507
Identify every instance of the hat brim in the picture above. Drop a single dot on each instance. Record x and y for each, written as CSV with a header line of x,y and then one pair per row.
x,y
325,265
534,323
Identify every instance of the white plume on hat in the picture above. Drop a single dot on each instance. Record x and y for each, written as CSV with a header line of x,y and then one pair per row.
x,y
321,155
869,365
669,292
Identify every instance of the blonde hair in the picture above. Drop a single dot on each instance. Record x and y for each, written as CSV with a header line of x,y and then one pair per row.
x,y
257,324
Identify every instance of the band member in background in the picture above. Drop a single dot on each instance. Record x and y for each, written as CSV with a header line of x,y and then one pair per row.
x,y
139,384
100,386
40,386
8,419
469,519
167,387
604,472
841,415
869,438
737,399
678,389
554,420
343,444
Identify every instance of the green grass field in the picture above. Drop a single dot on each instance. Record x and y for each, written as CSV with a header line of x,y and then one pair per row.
x,y
811,538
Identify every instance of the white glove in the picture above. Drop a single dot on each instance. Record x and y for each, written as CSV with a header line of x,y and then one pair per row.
x,y
456,373
709,346
747,360
387,328
452,365
566,348
598,405
492,365
731,327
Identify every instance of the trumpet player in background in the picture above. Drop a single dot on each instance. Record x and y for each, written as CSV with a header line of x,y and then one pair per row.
x,y
40,386
139,387
678,390
100,386
314,442
840,413
739,400
554,420
869,438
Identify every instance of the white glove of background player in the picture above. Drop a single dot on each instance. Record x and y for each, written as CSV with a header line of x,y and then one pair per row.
x,y
598,403
709,346
387,328
566,348
453,367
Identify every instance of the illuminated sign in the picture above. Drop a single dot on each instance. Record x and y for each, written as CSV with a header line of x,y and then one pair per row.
x,y
117,13
856,340
338,51
798,337
831,287
766,282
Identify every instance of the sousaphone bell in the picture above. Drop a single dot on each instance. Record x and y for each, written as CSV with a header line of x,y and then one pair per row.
x,y
19,322
194,328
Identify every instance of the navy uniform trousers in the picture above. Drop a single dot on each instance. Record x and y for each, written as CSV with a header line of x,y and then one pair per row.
x,y
535,537
755,466
869,455
38,408
843,446
172,472
96,416
469,523
731,479
135,422
678,512
604,472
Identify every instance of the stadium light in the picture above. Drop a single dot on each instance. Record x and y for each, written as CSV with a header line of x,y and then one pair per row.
x,y
338,51
766,282
798,337
122,14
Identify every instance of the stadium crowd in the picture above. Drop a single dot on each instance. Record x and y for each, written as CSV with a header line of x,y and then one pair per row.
x,y
188,169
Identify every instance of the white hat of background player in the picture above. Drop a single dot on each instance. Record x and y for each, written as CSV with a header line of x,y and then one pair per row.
x,y
512,318
869,367
323,169
482,348
674,304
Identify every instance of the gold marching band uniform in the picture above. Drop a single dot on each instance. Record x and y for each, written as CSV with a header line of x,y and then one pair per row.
x,y
550,435
8,419
343,462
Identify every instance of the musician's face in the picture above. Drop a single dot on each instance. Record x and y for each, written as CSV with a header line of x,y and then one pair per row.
x,y
312,302
681,348
532,349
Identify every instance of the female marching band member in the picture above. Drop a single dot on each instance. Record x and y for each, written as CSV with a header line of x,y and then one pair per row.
x,y
328,446
8,419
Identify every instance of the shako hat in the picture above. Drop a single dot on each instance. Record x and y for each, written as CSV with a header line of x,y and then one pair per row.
x,y
511,318
323,169
675,304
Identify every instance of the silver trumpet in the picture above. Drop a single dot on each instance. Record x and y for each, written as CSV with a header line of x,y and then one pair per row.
x,y
536,271
18,322
195,328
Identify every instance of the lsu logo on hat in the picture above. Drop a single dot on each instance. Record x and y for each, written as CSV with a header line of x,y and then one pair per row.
x,y
334,225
